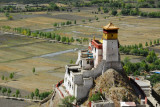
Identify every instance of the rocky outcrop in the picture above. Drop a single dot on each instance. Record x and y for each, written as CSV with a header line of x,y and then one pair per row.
x,y
116,87
156,88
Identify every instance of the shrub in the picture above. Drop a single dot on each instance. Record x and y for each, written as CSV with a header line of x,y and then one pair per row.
x,y
10,17
95,97
114,12
67,101
44,95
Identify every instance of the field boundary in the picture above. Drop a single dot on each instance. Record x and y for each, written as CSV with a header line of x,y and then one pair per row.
x,y
20,99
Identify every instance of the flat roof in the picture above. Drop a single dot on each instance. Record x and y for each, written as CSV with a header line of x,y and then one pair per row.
x,y
73,66
127,104
97,44
142,83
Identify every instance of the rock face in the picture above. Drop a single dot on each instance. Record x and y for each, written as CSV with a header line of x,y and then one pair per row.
x,y
116,87
157,88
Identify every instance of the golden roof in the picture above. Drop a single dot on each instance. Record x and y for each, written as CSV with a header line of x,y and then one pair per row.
x,y
110,26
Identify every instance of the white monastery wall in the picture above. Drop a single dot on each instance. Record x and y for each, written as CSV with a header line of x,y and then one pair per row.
x,y
110,50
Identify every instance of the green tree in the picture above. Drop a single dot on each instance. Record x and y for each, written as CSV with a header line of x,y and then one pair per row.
x,y
83,21
71,61
89,20
36,93
114,12
67,40
32,95
11,76
10,17
48,35
2,77
63,39
62,23
53,36
44,95
67,23
72,39
75,22
55,24
150,43
99,9
157,41
33,70
58,38
10,9
154,42
17,93
4,90
106,10
146,44
155,78
9,91
53,6
126,60
140,45
152,57
97,18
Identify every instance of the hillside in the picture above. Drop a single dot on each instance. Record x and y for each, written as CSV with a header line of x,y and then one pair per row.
x,y
157,88
115,86
36,1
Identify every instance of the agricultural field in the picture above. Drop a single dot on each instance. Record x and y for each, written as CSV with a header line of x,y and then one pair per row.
x,y
133,29
21,54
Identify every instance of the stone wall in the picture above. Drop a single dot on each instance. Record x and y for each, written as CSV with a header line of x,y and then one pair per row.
x,y
102,104
98,57
104,66
81,91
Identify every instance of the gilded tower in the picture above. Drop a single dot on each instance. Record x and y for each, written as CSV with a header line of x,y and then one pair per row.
x,y
110,43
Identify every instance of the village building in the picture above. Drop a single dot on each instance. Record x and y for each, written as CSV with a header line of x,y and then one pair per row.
x,y
91,63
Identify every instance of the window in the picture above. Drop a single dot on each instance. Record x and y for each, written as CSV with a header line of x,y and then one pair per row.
x,y
87,61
